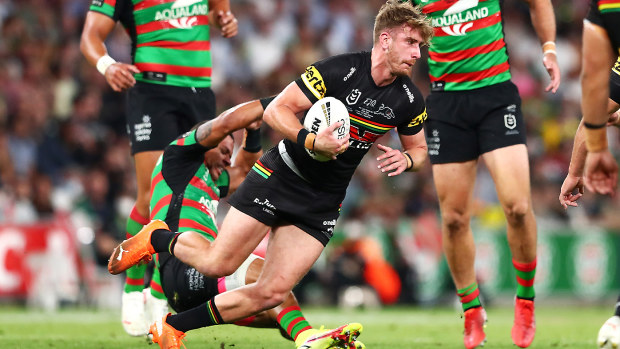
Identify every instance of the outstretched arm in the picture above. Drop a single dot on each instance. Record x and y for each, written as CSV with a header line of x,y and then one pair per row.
x,y
246,157
97,27
211,133
574,178
543,20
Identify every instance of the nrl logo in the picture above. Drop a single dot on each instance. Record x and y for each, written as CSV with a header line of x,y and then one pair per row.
x,y
510,121
353,96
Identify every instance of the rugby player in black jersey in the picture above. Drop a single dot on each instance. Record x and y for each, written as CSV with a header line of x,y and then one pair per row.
x,y
592,164
294,195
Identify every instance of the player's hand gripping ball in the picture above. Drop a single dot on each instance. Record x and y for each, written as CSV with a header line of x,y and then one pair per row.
x,y
324,112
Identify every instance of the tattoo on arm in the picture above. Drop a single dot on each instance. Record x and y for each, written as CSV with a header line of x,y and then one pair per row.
x,y
204,131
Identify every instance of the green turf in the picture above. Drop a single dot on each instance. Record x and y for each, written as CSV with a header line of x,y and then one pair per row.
x,y
558,327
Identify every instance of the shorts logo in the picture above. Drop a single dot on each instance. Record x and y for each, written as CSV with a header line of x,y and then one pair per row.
x,y
267,206
353,96
433,143
143,130
512,108
314,82
510,121
332,222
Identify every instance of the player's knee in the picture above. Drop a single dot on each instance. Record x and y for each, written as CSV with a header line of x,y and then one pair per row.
x,y
455,222
272,297
517,211
215,270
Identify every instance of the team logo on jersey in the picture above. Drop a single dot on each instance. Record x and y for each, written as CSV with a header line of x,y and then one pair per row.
x,y
353,96
182,14
314,82
510,121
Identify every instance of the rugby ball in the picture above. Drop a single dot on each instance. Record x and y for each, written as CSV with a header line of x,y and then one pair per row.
x,y
323,113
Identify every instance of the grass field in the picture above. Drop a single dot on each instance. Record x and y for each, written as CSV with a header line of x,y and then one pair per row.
x,y
558,327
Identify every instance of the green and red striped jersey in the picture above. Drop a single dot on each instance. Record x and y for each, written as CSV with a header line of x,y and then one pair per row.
x,y
468,50
183,193
170,38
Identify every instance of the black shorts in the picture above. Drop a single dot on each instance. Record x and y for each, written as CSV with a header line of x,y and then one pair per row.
x,y
274,195
158,114
462,125
184,287
614,82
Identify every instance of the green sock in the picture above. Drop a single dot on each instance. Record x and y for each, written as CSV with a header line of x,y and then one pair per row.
x,y
156,290
469,296
293,321
525,279
134,281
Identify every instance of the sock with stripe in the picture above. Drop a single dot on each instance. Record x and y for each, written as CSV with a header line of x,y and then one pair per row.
x,y
164,240
525,279
293,321
469,296
201,316
134,281
156,290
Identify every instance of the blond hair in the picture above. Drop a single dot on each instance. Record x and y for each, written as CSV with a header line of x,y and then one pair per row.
x,y
394,14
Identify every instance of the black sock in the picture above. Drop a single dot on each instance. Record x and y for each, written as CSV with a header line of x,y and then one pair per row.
x,y
161,238
201,316
617,309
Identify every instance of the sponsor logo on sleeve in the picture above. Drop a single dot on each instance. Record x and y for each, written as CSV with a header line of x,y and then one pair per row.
x,y
418,119
97,3
314,82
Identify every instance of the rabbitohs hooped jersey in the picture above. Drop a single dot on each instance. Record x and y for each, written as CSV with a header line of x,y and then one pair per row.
x,y
468,50
170,38
373,111
183,192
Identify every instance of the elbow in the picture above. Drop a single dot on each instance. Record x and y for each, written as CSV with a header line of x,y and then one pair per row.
x,y
269,114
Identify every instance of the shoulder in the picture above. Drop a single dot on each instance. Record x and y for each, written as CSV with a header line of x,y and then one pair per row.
x,y
341,61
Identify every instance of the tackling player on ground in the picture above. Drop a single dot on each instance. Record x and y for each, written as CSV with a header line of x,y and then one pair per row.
x,y
168,92
476,114
296,196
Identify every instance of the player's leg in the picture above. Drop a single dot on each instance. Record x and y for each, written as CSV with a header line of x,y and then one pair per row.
x,y
286,316
133,301
454,183
509,167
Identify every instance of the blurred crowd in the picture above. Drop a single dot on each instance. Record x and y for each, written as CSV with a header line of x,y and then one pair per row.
x,y
63,143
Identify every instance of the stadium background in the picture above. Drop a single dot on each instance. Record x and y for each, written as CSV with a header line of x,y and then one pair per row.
x,y
67,180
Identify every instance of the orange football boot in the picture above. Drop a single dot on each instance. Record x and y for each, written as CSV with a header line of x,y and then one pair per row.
x,y
165,335
137,249
475,322
524,327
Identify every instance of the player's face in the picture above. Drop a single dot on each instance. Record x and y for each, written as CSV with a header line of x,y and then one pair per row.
x,y
218,158
404,50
